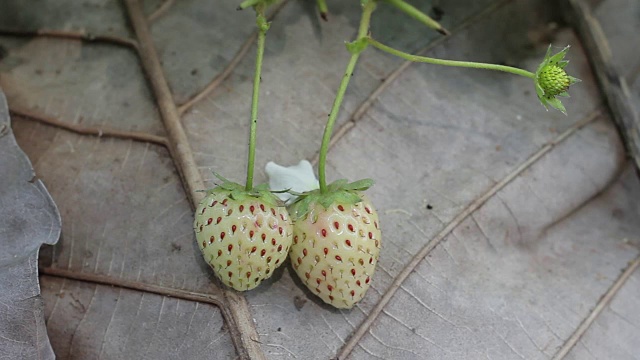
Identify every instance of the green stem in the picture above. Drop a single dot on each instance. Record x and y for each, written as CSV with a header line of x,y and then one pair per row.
x,y
263,26
466,64
247,3
418,15
367,10
322,7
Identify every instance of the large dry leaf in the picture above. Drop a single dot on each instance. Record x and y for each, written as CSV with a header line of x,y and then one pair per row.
x,y
526,217
28,219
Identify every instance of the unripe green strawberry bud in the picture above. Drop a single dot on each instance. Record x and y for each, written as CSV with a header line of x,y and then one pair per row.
x,y
554,80
551,80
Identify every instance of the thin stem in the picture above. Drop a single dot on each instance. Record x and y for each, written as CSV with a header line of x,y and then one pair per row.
x,y
324,10
466,64
263,26
418,15
367,10
246,3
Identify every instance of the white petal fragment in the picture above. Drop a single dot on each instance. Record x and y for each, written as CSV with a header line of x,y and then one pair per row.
x,y
299,178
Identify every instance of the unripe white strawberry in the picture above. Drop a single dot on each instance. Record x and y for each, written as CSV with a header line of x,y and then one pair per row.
x,y
244,236
336,244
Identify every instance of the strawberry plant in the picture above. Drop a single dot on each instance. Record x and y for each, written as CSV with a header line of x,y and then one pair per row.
x,y
337,236
336,232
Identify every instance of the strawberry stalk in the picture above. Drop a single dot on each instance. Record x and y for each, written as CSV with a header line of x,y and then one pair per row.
x,y
418,15
550,79
455,63
248,3
355,48
324,10
263,26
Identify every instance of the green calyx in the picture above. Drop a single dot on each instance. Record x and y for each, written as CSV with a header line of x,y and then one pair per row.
x,y
238,192
552,80
262,23
340,191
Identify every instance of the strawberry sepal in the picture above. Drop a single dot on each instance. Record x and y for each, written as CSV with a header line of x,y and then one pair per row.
x,y
238,192
338,192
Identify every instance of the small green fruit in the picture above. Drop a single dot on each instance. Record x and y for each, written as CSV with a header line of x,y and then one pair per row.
x,y
554,80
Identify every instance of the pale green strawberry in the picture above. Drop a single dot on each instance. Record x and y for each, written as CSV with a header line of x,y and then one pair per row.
x,y
551,79
243,235
336,242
